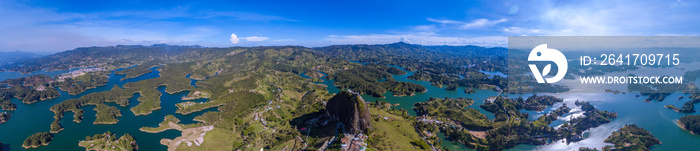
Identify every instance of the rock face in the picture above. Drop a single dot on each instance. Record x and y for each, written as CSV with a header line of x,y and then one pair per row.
x,y
350,109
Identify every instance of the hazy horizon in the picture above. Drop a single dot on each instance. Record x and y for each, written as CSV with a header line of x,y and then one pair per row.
x,y
50,53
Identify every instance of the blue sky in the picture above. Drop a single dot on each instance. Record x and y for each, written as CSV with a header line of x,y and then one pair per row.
x,y
46,26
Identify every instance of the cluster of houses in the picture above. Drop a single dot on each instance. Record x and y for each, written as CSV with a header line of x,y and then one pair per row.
x,y
79,72
353,142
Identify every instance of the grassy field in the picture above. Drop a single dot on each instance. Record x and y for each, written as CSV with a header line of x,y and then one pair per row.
x,y
395,133
216,139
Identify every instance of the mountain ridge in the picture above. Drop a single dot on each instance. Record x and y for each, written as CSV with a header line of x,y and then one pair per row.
x,y
136,54
9,57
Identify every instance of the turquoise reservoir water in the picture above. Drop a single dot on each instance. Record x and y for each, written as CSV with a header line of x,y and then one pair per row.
x,y
31,118
407,102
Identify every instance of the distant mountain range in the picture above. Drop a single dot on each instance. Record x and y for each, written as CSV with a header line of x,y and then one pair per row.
x,y
135,54
16,56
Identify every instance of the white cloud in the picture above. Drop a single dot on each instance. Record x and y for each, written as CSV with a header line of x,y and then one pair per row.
x,y
425,28
521,31
256,38
609,18
478,23
482,23
234,39
445,21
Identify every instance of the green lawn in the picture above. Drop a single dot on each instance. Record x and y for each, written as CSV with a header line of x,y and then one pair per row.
x,y
396,133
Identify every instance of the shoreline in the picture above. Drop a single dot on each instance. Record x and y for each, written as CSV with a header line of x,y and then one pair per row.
x,y
170,126
105,122
127,77
49,98
674,108
56,132
679,124
85,89
40,99
149,112
35,146
412,94
8,109
202,109
56,117
77,118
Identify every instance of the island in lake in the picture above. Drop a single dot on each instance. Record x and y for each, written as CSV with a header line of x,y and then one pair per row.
x,y
37,139
4,116
629,137
690,123
109,142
